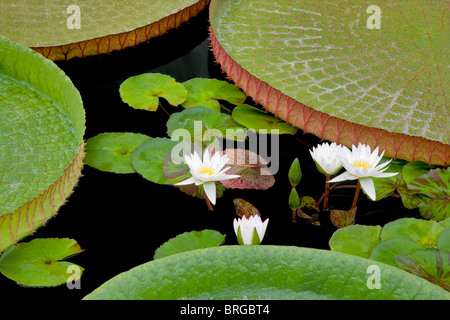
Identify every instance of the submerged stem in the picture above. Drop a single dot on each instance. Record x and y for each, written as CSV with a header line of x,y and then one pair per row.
x,y
327,190
208,203
355,199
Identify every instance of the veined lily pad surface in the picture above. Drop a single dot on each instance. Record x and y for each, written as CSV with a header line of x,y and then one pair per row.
x,y
263,272
326,67
65,29
42,123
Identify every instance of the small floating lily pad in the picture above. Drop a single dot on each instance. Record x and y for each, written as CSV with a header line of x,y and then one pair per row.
x,y
258,120
205,93
112,151
144,91
36,263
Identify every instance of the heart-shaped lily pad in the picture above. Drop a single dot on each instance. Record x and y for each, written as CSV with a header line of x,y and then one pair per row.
x,y
61,30
36,263
264,272
205,93
111,151
322,67
256,119
41,136
143,91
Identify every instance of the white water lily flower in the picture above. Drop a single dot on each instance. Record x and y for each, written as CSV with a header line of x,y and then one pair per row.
x,y
326,158
207,172
362,164
251,230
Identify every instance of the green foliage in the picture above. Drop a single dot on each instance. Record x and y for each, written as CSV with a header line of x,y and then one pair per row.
x,y
420,186
190,241
42,123
404,243
260,121
36,263
203,125
206,92
112,151
143,91
263,272
149,159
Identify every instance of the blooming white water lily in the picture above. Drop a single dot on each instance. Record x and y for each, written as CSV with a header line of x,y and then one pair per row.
x,y
251,230
326,157
362,164
207,171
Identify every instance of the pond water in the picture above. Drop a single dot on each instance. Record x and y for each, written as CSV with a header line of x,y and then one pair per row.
x,y
120,220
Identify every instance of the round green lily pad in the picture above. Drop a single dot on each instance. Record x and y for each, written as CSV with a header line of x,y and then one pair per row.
x,y
264,272
112,151
41,136
321,66
143,91
256,119
205,93
36,263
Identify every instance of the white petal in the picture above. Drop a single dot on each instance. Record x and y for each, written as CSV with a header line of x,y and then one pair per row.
x,y
343,177
369,188
190,180
384,174
210,190
235,225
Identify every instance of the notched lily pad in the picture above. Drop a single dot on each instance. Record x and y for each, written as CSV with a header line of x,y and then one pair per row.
x,y
148,160
144,91
206,93
190,241
112,151
37,263
343,218
260,121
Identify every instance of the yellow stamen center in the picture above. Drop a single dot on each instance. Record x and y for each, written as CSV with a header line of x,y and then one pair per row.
x,y
361,164
206,170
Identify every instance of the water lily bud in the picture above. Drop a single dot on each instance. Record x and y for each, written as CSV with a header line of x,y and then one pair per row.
x,y
294,199
295,173
251,230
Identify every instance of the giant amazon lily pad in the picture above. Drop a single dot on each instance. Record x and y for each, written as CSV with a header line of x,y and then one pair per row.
x,y
61,29
264,272
42,123
320,66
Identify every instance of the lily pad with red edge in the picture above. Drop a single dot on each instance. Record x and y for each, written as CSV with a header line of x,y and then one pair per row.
x,y
42,124
111,151
251,168
144,91
50,27
37,262
205,92
260,121
316,65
